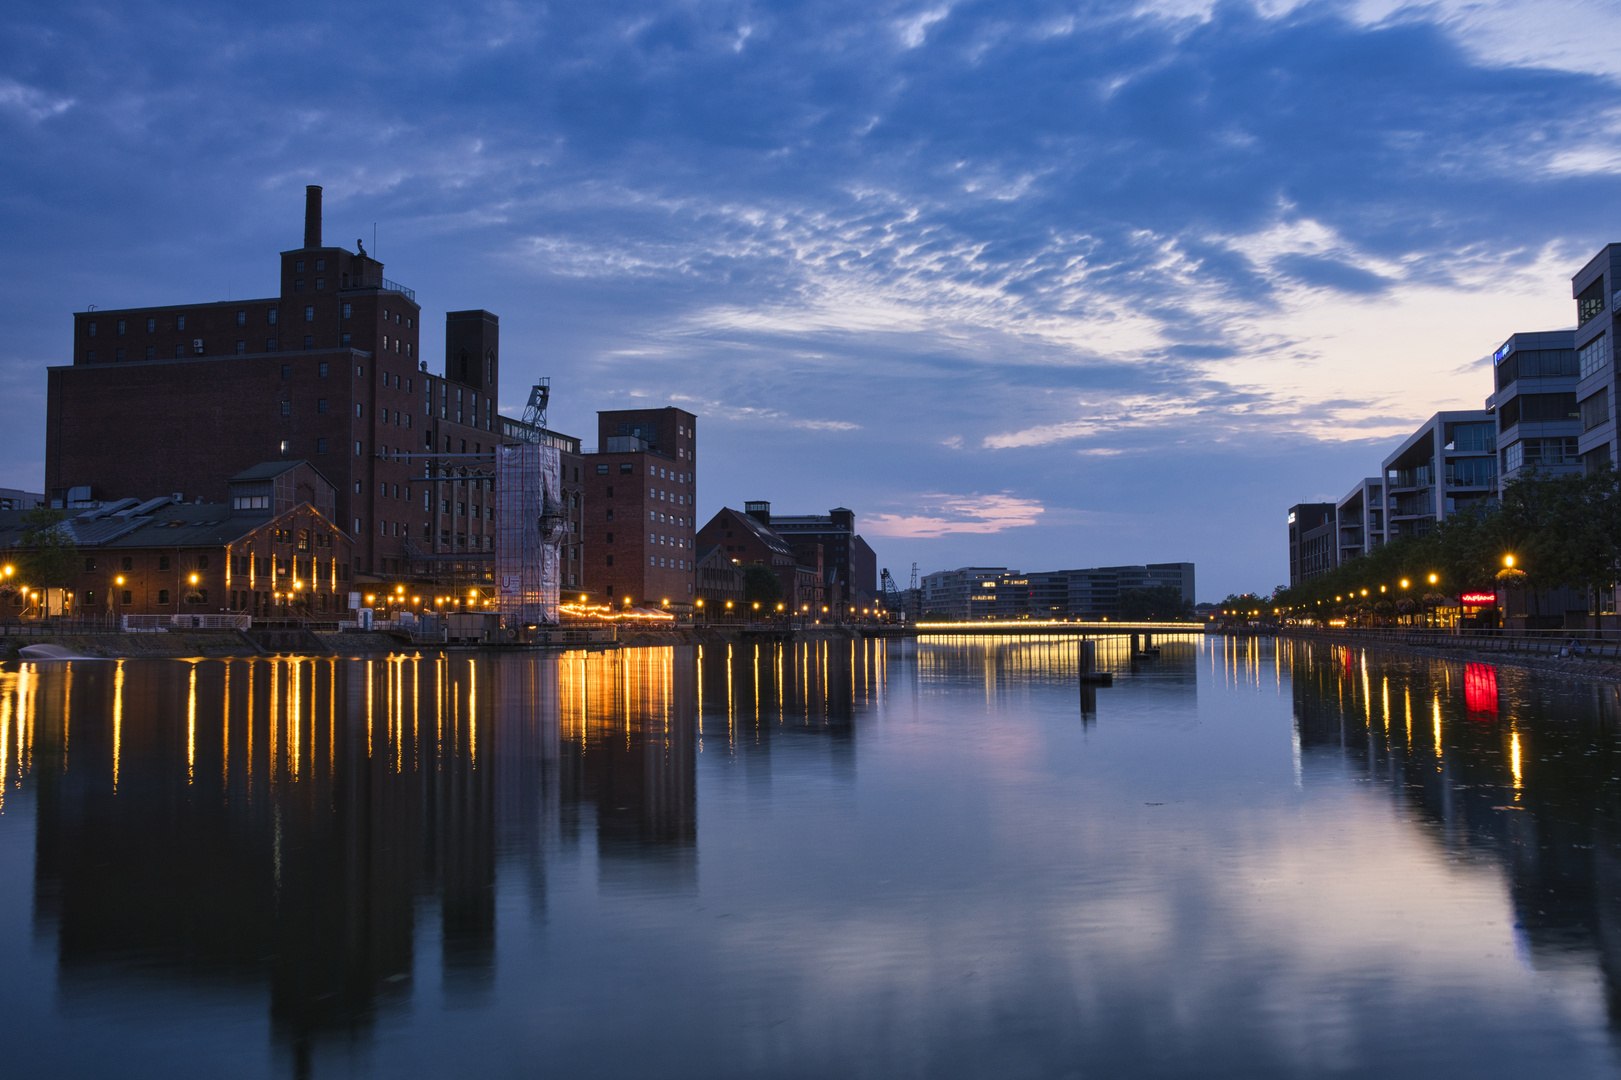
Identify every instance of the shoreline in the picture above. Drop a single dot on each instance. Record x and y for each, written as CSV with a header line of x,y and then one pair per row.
x,y
225,644
1605,669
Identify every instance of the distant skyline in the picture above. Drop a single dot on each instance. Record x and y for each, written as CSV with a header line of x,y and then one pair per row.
x,y
1039,285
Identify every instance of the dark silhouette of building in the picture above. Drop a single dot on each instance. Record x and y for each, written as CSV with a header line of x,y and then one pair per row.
x,y
179,398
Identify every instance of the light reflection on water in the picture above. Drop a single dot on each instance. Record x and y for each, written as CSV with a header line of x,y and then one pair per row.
x,y
937,858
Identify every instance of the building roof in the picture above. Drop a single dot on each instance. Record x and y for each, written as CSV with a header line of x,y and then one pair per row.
x,y
265,470
169,525
763,533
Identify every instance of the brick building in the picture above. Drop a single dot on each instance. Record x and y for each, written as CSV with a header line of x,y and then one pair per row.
x,y
849,565
270,550
640,489
179,398
746,539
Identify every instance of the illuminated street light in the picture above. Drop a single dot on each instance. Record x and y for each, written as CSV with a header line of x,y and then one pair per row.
x,y
1508,561
1404,583
1434,579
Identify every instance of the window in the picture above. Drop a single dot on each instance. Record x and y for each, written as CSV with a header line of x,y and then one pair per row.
x,y
359,410
270,345
320,283
298,267
320,405
610,538
89,565
1590,302
610,495
179,352
1472,472
287,408
320,446
118,354
344,340
179,322
625,468
298,285
309,343
120,327
202,562
163,596
241,348
151,353
1595,355
1467,437
1596,409
309,313
242,318
348,310
248,502
610,560
286,446
320,264
358,451
128,563
320,370
1548,407
271,316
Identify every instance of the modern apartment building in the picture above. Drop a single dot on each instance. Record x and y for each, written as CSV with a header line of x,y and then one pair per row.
x,y
1313,541
1539,423
1449,464
641,488
1594,288
1359,517
329,370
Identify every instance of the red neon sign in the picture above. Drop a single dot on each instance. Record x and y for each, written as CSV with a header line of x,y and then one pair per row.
x,y
1478,598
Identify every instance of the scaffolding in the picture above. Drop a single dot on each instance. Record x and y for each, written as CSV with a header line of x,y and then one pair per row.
x,y
529,530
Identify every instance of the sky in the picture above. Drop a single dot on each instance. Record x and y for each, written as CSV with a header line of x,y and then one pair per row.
x,y
1040,285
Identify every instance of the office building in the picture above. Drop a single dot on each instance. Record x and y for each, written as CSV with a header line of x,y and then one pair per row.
x,y
1539,423
1448,465
641,488
968,592
1594,288
330,369
1313,541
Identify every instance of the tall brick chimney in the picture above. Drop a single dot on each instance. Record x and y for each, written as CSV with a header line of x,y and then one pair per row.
x,y
312,216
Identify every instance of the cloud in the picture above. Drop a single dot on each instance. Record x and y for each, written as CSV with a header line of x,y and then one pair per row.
x,y
941,515
931,241
30,103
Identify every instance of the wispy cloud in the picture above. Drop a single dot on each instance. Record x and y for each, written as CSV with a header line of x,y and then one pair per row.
x,y
942,515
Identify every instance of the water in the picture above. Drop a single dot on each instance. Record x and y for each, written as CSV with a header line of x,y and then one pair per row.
x,y
933,859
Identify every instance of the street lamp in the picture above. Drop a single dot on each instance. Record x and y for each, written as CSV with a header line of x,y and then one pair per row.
x,y
1508,561
1434,579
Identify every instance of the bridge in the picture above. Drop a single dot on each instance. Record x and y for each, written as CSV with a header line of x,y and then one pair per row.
x,y
1036,628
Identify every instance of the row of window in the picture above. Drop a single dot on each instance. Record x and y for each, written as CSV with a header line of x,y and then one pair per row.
x,y
122,325
127,563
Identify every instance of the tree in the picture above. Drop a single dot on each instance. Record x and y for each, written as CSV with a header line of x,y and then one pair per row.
x,y
1158,602
47,556
760,584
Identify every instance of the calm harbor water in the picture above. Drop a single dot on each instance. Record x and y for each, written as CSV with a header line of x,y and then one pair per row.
x,y
904,859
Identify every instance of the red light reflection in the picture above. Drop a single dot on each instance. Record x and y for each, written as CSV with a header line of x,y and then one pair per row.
x,y
1480,688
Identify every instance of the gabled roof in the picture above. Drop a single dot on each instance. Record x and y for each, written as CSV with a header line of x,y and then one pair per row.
x,y
763,533
266,470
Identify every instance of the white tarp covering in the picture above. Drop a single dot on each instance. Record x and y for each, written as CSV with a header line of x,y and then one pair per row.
x,y
529,527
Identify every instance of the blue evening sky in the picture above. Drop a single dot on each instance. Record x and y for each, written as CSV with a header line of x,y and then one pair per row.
x,y
1034,284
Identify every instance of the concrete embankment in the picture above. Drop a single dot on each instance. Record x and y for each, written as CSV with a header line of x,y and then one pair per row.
x,y
1530,654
